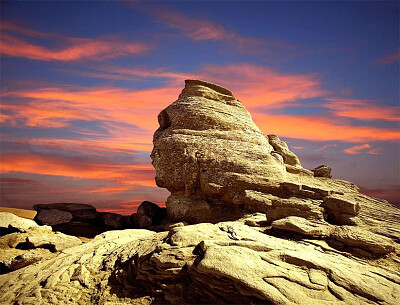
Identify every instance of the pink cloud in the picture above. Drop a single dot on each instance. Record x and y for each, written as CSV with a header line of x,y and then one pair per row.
x,y
72,48
375,151
390,59
325,147
357,149
321,129
364,110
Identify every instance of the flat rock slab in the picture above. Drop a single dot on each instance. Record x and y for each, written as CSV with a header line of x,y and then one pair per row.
x,y
69,207
55,242
53,217
303,226
338,204
11,221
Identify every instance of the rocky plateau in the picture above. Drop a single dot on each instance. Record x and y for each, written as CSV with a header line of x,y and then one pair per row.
x,y
245,224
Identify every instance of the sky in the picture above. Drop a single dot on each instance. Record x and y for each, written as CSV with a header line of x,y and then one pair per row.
x,y
82,83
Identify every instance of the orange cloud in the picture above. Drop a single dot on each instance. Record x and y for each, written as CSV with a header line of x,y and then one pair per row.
x,y
362,109
263,86
390,59
255,85
64,105
321,129
73,48
45,164
357,149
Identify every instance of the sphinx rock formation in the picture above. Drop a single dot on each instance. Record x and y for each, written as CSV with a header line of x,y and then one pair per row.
x,y
217,164
246,224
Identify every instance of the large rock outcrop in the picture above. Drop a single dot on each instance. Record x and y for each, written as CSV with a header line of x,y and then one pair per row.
x,y
217,164
246,224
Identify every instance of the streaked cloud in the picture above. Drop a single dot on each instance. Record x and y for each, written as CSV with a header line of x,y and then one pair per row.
x,y
390,59
68,48
325,147
202,29
52,164
364,148
18,181
322,129
365,110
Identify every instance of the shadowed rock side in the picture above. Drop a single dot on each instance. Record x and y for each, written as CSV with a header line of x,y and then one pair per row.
x,y
246,224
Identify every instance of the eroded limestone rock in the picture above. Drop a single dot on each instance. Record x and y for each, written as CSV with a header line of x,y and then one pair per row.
x,y
11,223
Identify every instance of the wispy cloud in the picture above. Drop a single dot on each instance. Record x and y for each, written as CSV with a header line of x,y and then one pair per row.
x,y
18,181
201,29
69,48
66,104
255,85
389,59
38,163
325,147
365,110
321,129
364,148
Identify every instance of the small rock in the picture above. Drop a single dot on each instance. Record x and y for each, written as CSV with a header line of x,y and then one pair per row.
x,y
340,204
55,242
323,171
113,220
302,226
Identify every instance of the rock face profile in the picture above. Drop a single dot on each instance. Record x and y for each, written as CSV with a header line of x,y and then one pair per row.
x,y
245,224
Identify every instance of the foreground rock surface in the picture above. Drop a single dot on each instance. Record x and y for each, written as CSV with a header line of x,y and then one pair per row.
x,y
223,263
246,224
11,223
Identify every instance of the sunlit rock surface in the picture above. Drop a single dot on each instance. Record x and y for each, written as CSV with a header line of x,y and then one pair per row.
x,y
246,224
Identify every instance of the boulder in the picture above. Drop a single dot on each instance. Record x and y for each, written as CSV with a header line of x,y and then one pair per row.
x,y
149,214
341,209
340,204
53,217
322,171
11,223
282,148
113,220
